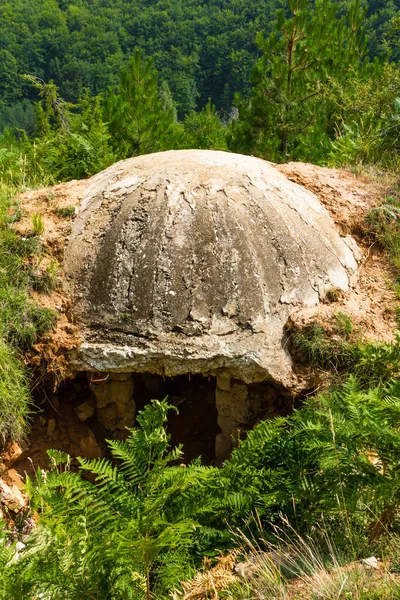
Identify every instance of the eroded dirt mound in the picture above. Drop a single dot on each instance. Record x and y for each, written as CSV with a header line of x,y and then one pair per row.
x,y
370,304
348,198
53,209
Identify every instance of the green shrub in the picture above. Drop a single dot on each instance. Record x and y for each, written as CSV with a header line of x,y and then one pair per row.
x,y
66,212
21,320
336,459
14,396
338,352
43,280
130,533
384,223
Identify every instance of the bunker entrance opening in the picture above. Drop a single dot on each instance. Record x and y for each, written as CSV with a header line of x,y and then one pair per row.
x,y
86,411
211,414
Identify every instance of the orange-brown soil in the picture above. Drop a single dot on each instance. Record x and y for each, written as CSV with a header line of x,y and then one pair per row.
x,y
372,302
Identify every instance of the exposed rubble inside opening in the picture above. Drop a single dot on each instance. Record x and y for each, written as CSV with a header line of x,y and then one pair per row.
x,y
212,414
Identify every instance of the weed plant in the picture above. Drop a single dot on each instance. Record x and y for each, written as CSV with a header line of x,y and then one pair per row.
x,y
21,320
383,223
14,396
140,524
37,224
302,567
65,212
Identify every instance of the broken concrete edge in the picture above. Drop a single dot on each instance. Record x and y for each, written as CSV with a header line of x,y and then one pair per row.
x,y
104,358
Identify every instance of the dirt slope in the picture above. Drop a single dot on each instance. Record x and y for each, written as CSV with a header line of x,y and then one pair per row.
x,y
349,198
371,304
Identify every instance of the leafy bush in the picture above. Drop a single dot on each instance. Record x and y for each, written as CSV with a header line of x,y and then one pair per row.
x,y
383,223
204,130
21,321
336,459
134,525
372,363
130,534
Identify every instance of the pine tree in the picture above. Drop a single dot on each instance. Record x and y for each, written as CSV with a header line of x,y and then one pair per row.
x,y
288,114
138,121
205,129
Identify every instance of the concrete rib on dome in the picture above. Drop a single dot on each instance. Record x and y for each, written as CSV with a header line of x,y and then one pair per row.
x,y
191,261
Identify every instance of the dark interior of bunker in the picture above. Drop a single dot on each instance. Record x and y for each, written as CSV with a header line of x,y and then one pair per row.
x,y
209,413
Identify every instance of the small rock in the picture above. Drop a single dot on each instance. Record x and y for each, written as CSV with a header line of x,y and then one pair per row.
x,y
11,497
230,309
51,425
14,452
89,446
85,411
371,562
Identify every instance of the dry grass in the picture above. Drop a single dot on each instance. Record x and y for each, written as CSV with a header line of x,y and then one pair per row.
x,y
210,582
291,568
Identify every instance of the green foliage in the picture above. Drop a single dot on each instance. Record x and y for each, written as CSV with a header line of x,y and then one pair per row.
x,y
65,212
43,280
21,321
291,113
205,130
384,223
138,119
309,564
135,525
342,353
14,397
335,459
130,533
37,224
202,49
368,123
53,113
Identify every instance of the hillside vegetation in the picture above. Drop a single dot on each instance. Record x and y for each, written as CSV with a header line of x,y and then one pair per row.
x,y
85,84
201,49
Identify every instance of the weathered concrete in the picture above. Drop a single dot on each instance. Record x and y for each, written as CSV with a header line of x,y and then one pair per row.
x,y
192,261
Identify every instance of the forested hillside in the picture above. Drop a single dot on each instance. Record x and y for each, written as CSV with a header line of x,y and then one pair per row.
x,y
202,49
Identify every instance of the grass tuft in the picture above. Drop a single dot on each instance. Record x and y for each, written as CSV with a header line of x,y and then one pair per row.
x,y
21,320
14,396
342,353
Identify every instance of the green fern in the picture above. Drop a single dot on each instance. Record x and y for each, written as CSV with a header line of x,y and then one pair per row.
x,y
130,534
337,456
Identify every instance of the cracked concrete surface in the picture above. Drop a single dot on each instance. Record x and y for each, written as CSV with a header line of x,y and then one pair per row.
x,y
191,261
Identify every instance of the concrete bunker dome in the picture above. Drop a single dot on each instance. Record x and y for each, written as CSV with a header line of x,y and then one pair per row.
x,y
191,261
